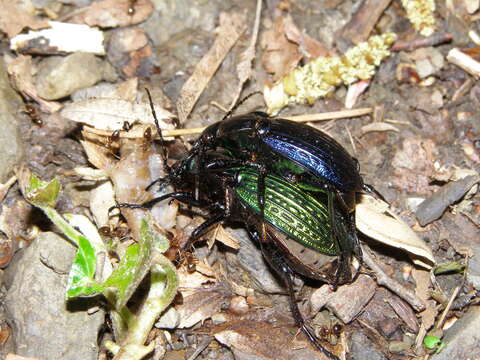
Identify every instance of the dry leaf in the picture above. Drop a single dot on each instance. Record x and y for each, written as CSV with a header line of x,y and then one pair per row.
x,y
308,46
280,54
58,39
111,114
354,91
261,340
126,90
378,126
20,70
88,173
375,220
97,155
230,29
346,302
18,15
244,67
201,305
114,13
189,283
102,198
18,357
225,238
422,289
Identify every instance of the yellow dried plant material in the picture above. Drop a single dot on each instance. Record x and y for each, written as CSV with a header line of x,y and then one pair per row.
x,y
322,75
420,14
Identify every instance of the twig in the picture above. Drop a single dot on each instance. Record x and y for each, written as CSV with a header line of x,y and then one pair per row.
x,y
4,187
386,281
452,298
202,346
433,40
342,114
464,61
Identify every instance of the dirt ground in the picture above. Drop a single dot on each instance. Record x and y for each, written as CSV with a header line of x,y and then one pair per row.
x,y
73,107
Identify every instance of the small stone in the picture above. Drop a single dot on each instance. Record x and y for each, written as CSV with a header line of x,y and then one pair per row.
x,y
43,324
11,144
347,302
59,76
169,319
398,346
437,99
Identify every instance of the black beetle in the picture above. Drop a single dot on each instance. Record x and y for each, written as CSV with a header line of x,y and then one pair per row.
x,y
293,232
295,151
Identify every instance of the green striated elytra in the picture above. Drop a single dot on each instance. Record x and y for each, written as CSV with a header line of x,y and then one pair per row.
x,y
290,210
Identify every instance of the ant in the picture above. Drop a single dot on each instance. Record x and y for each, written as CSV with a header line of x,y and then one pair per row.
x,y
32,112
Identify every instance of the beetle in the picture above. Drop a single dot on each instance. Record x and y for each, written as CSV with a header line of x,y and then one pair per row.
x,y
294,231
295,151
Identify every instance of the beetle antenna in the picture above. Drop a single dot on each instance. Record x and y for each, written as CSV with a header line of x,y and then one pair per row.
x,y
239,103
159,131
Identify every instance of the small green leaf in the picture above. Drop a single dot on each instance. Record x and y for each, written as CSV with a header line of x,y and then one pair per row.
x,y
41,193
81,279
132,268
431,342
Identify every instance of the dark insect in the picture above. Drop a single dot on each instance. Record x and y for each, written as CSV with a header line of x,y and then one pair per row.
x,y
119,232
299,238
189,260
295,151
330,333
147,134
290,185
126,126
32,112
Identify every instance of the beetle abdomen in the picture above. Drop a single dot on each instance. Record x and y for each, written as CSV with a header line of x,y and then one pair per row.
x,y
290,210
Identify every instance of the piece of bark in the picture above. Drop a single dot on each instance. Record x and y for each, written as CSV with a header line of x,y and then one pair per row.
x,y
362,22
433,207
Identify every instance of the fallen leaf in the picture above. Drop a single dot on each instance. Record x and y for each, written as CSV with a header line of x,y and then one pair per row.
x,y
18,357
225,238
111,114
280,54
244,67
230,29
201,305
378,126
308,46
374,219
114,13
422,289
347,301
262,340
354,91
18,15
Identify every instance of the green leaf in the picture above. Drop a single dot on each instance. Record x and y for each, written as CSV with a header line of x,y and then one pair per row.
x,y
81,280
132,269
431,342
41,193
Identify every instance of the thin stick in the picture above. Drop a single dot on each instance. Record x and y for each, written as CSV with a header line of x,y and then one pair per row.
x,y
334,115
331,115
384,280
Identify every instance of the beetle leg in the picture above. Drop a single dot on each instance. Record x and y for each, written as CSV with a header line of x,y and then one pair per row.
x,y
275,259
159,130
185,197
